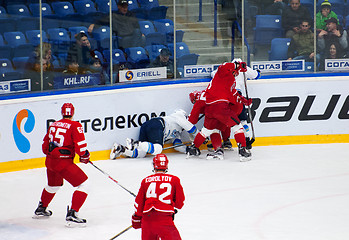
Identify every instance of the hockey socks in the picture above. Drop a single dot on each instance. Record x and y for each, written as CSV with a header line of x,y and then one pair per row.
x,y
78,200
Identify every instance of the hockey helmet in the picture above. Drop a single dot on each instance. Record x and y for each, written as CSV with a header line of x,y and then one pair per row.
x,y
160,162
68,110
194,96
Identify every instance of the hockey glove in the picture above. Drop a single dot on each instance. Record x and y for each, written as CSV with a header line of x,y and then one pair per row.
x,y
246,101
243,67
85,158
136,221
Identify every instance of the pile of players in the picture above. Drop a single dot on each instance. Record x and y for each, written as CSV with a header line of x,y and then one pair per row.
x,y
223,105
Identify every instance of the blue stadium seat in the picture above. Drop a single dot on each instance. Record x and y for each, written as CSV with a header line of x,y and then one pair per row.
x,y
158,12
188,59
137,57
140,13
147,4
75,30
19,10
35,9
132,4
7,25
33,37
308,4
267,28
181,49
100,56
6,70
154,51
103,5
166,26
101,32
15,39
59,39
20,63
63,9
5,50
279,47
3,12
151,36
118,56
87,9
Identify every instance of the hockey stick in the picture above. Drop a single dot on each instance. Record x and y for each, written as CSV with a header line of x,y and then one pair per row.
x,y
249,110
123,231
106,174
174,146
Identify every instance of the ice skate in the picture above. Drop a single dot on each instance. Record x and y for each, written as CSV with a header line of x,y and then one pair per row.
x,y
192,151
41,212
226,145
116,151
244,154
73,220
210,147
131,144
249,143
218,154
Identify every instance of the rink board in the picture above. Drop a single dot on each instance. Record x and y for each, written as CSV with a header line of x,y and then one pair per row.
x,y
286,111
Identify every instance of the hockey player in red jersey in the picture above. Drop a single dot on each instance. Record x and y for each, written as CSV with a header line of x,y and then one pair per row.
x,y
223,104
63,140
158,197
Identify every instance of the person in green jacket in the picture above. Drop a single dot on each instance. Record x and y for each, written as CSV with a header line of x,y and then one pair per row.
x,y
324,14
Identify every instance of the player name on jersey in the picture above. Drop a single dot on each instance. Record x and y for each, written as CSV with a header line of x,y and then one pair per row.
x,y
158,179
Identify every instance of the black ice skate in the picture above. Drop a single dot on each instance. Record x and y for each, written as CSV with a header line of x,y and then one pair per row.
x,y
218,154
192,151
41,212
73,220
249,143
226,145
244,154
116,151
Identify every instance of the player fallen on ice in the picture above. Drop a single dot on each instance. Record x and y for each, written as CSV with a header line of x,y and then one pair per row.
x,y
154,133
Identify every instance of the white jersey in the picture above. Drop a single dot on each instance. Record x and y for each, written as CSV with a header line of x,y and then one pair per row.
x,y
240,83
175,124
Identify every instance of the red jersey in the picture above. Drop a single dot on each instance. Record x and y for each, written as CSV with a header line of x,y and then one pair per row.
x,y
198,108
66,133
222,86
161,192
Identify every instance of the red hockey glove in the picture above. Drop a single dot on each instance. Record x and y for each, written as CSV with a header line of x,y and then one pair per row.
x,y
243,67
136,221
245,101
85,158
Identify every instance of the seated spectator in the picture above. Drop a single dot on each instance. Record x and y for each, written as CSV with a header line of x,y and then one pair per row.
x,y
302,43
72,66
333,52
274,7
324,14
292,17
125,25
82,51
163,60
334,33
97,67
47,55
33,72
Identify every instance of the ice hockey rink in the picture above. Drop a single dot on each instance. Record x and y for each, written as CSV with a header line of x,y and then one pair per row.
x,y
285,193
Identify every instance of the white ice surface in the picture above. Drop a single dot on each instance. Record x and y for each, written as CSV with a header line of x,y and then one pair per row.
x,y
296,192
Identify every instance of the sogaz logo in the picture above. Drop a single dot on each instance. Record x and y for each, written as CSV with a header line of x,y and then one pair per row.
x,y
21,141
129,75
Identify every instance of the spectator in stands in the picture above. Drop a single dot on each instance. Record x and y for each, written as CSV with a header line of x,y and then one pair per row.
x,y
292,17
274,7
334,33
324,14
72,66
33,72
97,67
82,51
163,60
302,43
334,51
125,25
47,55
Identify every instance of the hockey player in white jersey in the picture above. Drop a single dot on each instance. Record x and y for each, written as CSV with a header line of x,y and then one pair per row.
x,y
240,87
154,133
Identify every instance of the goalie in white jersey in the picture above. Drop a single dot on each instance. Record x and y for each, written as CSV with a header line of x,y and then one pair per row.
x,y
154,133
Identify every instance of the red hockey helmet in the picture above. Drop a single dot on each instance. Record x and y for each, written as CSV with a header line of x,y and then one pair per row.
x,y
194,96
68,110
160,161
